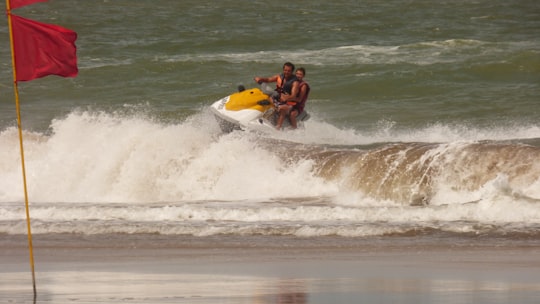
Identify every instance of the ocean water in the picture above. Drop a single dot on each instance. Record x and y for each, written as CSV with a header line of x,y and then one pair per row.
x,y
424,121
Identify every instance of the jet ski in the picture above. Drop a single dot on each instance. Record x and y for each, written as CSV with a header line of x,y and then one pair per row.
x,y
251,109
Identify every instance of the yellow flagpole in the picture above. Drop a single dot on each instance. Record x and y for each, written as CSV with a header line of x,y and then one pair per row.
x,y
19,126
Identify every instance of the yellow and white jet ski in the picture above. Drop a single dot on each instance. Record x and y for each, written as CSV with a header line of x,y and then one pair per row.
x,y
250,109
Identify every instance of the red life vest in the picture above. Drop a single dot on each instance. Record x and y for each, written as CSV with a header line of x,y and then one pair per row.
x,y
301,104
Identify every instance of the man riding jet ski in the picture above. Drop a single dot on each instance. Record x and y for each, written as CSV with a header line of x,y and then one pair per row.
x,y
265,109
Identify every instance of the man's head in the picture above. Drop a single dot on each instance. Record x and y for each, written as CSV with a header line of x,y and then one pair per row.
x,y
288,69
300,73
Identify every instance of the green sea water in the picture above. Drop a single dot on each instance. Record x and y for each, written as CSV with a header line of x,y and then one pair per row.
x,y
424,119
408,63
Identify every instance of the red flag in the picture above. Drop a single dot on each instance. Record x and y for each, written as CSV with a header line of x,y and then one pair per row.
x,y
18,3
43,49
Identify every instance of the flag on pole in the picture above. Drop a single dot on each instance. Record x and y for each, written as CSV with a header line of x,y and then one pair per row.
x,y
37,50
18,3
42,49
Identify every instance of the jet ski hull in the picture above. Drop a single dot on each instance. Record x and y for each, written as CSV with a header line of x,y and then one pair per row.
x,y
249,109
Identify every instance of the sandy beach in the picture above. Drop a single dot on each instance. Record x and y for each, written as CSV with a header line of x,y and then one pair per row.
x,y
161,269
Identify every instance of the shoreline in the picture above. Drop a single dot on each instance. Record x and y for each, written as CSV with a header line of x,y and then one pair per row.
x,y
256,269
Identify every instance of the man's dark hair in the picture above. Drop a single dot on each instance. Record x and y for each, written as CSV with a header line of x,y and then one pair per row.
x,y
289,65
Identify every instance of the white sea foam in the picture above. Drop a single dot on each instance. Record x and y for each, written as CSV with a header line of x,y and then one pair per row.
x,y
95,157
321,132
420,53
131,174
285,218
110,157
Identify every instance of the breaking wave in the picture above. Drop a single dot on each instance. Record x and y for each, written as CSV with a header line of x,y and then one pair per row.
x,y
135,174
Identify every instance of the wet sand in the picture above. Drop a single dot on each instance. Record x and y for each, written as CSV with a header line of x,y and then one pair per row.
x,y
178,269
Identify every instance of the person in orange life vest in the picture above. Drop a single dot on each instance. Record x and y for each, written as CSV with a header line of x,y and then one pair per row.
x,y
285,83
294,104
